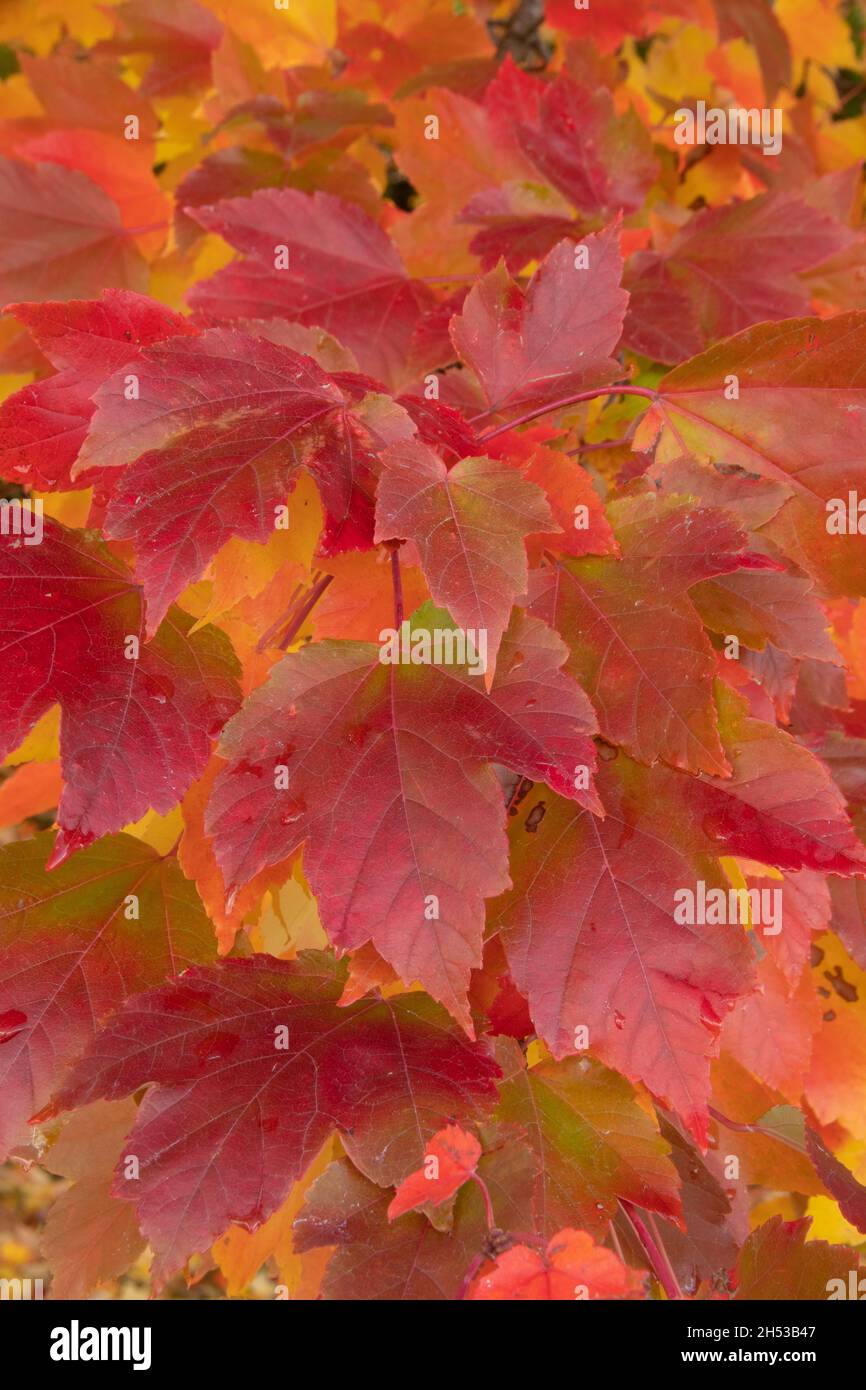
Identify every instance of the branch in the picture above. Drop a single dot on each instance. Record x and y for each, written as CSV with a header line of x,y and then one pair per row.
x,y
755,1129
488,1205
295,615
560,405
397,581
659,1262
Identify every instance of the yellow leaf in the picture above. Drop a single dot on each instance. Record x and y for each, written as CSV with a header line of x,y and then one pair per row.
x,y
836,1084
828,1223
13,381
183,127
40,27
70,508
841,143
14,1253
172,275
243,569
19,99
160,832
42,744
298,31
240,1254
717,179
782,1205
676,67
816,30
290,920
536,1053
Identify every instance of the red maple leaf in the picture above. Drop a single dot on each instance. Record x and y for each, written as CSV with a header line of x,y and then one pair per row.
x,y
138,717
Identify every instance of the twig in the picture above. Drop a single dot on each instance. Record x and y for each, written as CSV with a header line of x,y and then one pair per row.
x,y
471,1272
397,581
755,1129
294,615
659,1262
488,1205
270,633
305,610
560,405
601,444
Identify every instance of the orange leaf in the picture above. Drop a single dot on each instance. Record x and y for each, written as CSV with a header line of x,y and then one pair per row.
x,y
572,1267
35,787
449,1162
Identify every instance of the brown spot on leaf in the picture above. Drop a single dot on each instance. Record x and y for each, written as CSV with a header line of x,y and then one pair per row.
x,y
843,987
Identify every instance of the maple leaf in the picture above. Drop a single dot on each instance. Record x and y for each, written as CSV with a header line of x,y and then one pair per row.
x,y
45,424
124,170
408,1259
112,920
726,269
89,1236
796,419
519,223
779,806
137,718
805,912
215,439
848,1192
571,495
572,1266
85,93
383,1072
609,168
232,173
477,150
376,756
63,237
770,1032
451,1157
643,657
767,606
591,939
342,274
308,33
594,1142
556,337
704,1243
777,1262
178,36
469,524
35,788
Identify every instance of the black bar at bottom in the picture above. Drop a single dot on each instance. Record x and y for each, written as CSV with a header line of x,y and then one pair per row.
x,y
225,1338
